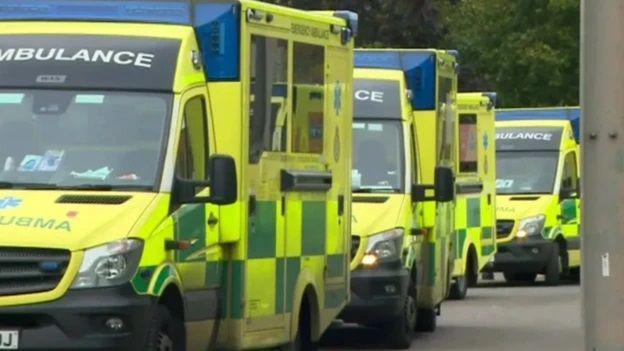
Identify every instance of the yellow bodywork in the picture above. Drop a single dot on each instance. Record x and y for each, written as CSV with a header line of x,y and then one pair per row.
x,y
475,211
270,250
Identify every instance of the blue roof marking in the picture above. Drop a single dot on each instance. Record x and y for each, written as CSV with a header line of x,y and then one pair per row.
x,y
419,68
571,114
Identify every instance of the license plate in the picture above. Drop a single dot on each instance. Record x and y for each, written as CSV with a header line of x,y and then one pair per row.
x,y
9,339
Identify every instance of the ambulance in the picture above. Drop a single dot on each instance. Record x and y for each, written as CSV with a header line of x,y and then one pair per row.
x,y
474,243
538,194
403,190
152,194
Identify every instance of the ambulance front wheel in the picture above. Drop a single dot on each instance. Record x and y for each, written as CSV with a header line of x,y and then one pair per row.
x,y
426,321
400,330
165,333
554,268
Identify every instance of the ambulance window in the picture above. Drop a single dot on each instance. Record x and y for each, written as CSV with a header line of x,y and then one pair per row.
x,y
308,98
193,146
268,96
445,123
468,153
570,181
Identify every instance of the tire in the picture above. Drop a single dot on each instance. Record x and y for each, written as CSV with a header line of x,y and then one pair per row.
x,y
459,288
472,270
520,277
426,320
165,332
575,274
399,332
554,267
303,339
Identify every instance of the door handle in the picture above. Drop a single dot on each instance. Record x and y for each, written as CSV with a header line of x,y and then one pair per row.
x,y
212,220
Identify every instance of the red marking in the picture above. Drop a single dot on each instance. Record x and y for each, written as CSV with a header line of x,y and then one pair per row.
x,y
72,214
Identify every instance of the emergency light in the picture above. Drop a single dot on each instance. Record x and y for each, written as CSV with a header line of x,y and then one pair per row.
x,y
217,23
572,114
419,68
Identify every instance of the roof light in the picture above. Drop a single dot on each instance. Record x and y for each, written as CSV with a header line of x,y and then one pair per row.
x,y
419,68
572,114
172,11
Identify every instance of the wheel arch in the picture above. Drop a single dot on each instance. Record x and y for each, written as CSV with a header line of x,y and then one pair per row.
x,y
307,291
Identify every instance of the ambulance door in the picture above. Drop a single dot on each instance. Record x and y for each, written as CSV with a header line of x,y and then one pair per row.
x,y
487,169
196,250
307,178
445,212
569,198
264,267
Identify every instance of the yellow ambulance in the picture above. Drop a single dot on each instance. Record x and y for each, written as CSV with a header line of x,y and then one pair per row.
x,y
538,194
474,244
400,248
152,194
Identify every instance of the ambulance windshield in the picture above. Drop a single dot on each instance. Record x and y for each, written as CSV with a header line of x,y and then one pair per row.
x,y
526,172
378,156
56,139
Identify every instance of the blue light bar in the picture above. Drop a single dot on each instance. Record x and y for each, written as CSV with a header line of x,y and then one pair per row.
x,y
572,114
217,24
171,11
419,68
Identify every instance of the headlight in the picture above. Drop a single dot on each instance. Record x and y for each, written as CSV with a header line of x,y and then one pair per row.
x,y
109,265
531,226
384,246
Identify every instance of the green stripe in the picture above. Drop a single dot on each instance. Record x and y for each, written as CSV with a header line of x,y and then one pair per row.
x,y
487,249
486,233
142,278
236,291
474,212
293,267
162,277
313,227
461,240
213,274
190,225
334,298
262,231
335,265
279,285
431,259
223,292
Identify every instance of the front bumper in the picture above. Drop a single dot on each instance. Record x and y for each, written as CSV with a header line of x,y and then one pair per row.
x,y
525,256
77,321
377,294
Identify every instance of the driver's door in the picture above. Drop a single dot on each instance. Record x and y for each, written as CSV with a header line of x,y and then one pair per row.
x,y
570,198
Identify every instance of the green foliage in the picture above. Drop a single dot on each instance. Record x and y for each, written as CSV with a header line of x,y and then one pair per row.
x,y
526,50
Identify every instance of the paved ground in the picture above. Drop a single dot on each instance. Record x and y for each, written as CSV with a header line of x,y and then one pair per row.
x,y
494,316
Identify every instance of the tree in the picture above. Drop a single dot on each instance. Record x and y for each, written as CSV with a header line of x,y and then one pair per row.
x,y
527,51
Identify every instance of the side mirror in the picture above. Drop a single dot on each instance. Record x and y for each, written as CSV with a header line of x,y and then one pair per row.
x,y
444,184
566,194
444,187
223,184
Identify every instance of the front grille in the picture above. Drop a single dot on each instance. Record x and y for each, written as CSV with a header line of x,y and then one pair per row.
x,y
504,228
355,246
29,271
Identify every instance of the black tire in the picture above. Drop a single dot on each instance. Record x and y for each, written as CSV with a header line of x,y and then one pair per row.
x,y
426,320
303,339
165,332
459,288
400,331
575,274
554,267
472,269
520,277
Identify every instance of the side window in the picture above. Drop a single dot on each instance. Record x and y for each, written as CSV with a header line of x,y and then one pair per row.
x,y
468,153
193,146
569,180
268,96
308,98
445,123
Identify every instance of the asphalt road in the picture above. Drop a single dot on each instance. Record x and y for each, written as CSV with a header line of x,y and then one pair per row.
x,y
494,316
